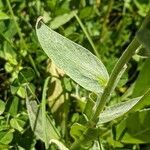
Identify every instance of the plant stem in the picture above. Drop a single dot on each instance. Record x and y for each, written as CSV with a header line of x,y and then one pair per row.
x,y
23,43
87,35
33,65
128,53
44,110
16,24
108,90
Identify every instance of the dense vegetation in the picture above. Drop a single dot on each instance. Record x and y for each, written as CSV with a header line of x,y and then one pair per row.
x,y
43,108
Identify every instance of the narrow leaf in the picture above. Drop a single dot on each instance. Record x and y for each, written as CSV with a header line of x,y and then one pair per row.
x,y
2,107
44,110
77,62
117,110
3,16
119,76
35,117
59,144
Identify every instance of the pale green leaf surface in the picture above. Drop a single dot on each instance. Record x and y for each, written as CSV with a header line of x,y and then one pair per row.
x,y
77,62
2,106
14,122
6,136
35,117
60,145
119,76
3,16
117,110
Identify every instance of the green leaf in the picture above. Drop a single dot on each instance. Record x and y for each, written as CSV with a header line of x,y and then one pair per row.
x,y
77,130
25,140
142,6
143,35
144,102
62,19
2,107
89,107
13,106
4,146
135,128
21,92
3,16
43,110
35,117
142,83
10,54
26,75
6,136
77,62
19,122
86,12
119,76
16,124
59,144
113,112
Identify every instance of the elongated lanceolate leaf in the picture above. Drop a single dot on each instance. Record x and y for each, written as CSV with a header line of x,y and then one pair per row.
x,y
35,117
60,145
117,110
77,62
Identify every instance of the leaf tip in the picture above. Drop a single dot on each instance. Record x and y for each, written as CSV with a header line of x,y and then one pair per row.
x,y
38,22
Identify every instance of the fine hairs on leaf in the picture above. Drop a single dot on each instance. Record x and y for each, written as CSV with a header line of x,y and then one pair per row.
x,y
90,73
77,62
35,118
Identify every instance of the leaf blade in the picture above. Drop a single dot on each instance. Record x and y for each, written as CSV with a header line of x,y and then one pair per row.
x,y
35,118
117,110
77,62
135,128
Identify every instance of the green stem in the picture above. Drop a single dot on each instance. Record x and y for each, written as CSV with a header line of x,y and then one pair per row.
x,y
128,53
44,110
108,90
87,35
33,65
16,24
23,43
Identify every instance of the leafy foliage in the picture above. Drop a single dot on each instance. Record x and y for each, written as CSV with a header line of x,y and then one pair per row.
x,y
83,67
105,29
